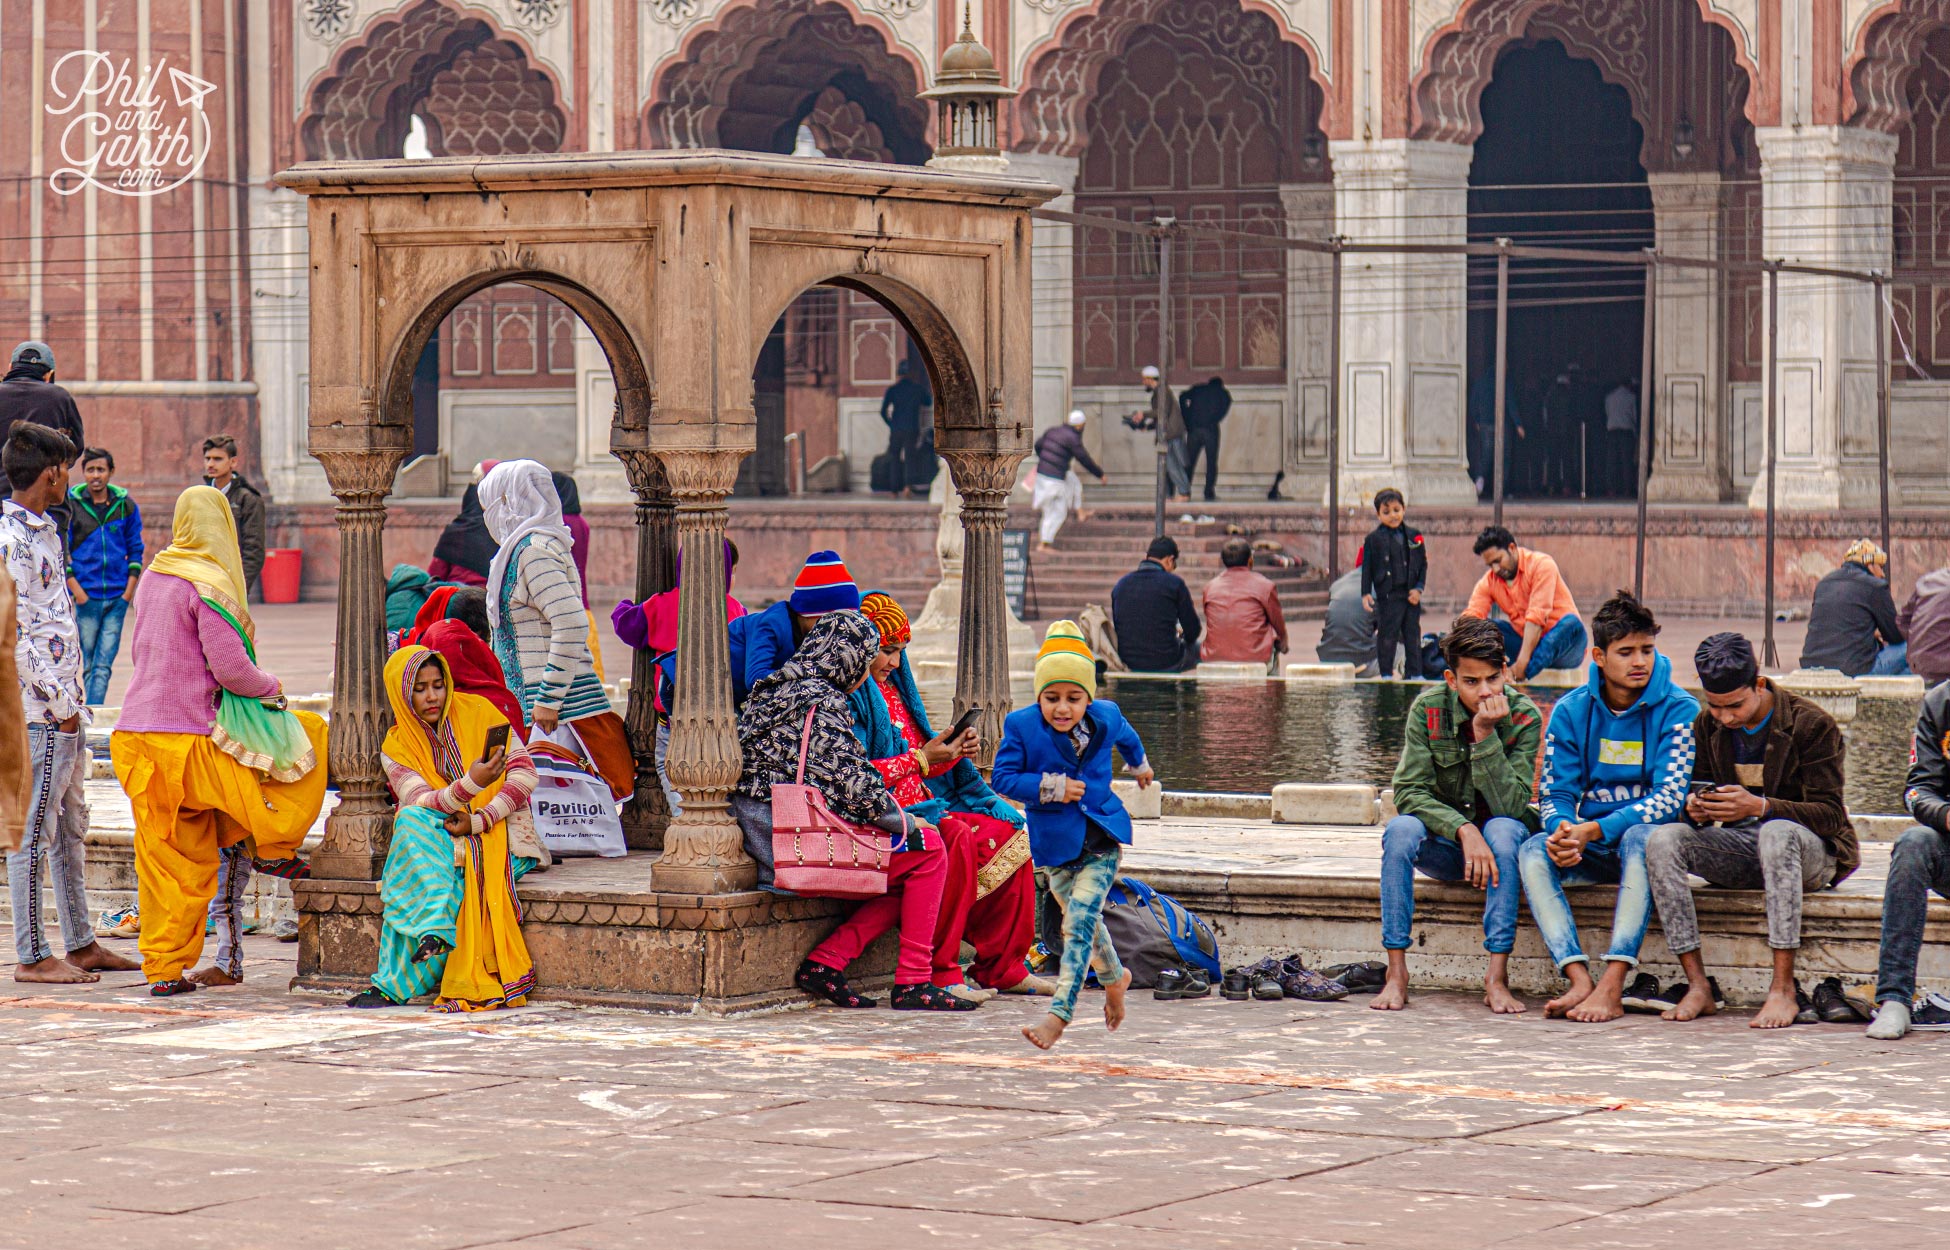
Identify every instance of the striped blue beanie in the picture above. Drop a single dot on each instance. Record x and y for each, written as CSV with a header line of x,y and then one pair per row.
x,y
824,586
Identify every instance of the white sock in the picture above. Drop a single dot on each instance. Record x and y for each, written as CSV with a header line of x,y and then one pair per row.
x,y
1891,1022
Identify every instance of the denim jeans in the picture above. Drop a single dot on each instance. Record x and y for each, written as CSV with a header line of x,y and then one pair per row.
x,y
100,623
1622,865
1178,475
1919,863
1407,847
1562,646
1891,661
1079,888
1780,857
227,908
57,820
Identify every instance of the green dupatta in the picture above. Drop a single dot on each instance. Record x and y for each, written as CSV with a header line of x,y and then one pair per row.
x,y
256,735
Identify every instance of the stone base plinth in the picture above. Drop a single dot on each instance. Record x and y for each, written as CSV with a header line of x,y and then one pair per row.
x,y
601,937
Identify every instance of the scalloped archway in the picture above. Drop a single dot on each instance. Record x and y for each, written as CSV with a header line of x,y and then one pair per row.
x,y
478,88
1060,80
748,80
1885,57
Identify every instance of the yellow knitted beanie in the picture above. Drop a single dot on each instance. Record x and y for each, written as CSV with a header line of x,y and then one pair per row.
x,y
1065,656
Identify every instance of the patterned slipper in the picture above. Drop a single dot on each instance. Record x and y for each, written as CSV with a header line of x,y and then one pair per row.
x,y
168,989
290,869
929,997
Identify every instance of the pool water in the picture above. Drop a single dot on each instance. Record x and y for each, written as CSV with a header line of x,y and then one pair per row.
x,y
1248,736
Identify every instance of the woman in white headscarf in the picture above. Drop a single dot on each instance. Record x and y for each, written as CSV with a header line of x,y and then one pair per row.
x,y
540,628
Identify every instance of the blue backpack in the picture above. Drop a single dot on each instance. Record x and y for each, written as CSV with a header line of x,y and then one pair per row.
x,y
1153,931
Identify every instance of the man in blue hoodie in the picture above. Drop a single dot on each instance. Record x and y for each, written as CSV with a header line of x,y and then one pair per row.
x,y
1617,759
104,542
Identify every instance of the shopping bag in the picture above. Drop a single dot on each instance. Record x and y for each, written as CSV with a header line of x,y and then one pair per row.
x,y
574,813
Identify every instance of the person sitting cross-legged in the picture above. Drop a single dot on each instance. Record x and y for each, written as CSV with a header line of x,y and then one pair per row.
x,y
1463,790
1617,757
1775,820
1918,864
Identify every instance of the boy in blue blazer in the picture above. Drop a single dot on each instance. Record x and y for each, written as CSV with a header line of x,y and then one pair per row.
x,y
1055,759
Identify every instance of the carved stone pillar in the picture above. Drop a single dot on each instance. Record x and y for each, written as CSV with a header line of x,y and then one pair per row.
x,y
647,813
704,852
359,829
984,479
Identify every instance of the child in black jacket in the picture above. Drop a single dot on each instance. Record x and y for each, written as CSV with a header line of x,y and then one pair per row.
x,y
1394,569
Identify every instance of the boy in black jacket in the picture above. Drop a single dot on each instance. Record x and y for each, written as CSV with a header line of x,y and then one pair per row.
x,y
1394,568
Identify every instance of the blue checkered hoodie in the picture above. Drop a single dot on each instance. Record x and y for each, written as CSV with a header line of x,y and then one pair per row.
x,y
1619,768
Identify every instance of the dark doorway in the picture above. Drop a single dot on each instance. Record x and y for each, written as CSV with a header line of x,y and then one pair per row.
x,y
1558,165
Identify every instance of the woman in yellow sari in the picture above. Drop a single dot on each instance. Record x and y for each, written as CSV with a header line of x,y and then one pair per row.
x,y
451,918
217,772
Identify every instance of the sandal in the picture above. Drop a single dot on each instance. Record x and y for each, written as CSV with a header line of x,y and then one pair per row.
x,y
369,998
167,989
929,997
293,869
430,946
829,984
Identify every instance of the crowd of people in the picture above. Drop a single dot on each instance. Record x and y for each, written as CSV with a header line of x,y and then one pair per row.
x,y
1627,781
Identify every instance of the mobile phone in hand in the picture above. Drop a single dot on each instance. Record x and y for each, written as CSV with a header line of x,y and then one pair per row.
x,y
962,726
1697,788
496,737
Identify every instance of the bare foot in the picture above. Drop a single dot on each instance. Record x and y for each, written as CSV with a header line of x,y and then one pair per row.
x,y
1498,998
1394,993
1605,1002
213,977
95,957
1581,987
1045,1034
53,971
1777,1012
1697,1002
1114,1001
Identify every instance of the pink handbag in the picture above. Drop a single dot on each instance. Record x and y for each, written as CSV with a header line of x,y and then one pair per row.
x,y
815,852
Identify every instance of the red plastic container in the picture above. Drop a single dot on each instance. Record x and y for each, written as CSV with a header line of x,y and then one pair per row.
x,y
284,569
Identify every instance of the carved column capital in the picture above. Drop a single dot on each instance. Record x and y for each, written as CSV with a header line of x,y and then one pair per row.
x,y
984,478
645,470
362,476
702,476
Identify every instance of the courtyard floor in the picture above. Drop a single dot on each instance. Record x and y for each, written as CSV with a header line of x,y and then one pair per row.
x,y
250,1118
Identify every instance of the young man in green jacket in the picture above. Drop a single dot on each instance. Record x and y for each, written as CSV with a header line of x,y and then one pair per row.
x,y
1464,790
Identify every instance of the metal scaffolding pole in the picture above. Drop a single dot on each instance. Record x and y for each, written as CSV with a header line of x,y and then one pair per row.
x,y
1502,375
1645,413
1164,225
1882,422
1769,655
1334,421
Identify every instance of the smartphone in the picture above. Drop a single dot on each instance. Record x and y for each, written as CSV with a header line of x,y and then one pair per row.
x,y
962,726
496,737
1702,787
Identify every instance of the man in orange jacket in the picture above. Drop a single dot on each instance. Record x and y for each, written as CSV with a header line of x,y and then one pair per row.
x,y
1543,629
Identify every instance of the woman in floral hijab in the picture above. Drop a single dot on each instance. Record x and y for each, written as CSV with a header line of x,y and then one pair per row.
x,y
829,665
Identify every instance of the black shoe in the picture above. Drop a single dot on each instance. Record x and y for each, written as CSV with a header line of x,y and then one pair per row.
x,y
1831,1006
1366,977
369,998
829,984
927,996
1805,1012
1178,983
1237,986
1264,977
1669,997
1932,1015
1643,994
430,946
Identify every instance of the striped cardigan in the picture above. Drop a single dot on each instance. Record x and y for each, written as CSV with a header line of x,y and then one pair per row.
x,y
545,628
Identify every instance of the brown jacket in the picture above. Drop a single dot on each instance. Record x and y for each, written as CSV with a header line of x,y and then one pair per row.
x,y
1801,777
16,777
1243,621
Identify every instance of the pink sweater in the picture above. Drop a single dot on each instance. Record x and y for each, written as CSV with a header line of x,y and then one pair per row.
x,y
185,652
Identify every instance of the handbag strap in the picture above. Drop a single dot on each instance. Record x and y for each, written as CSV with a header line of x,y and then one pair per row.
x,y
805,744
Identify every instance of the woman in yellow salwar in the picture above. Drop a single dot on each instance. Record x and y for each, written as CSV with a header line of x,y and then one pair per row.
x,y
217,772
451,919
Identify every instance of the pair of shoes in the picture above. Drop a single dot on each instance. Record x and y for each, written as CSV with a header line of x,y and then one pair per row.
x,y
970,993
928,996
1831,1006
1643,994
1297,981
1179,983
1237,986
1804,1007
1366,977
124,923
1669,997
1263,980
829,984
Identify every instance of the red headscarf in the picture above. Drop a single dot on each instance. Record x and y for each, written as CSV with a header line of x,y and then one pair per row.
x,y
475,669
432,612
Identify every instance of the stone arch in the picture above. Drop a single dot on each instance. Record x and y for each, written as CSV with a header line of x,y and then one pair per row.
x,y
1624,39
1885,56
747,79
479,88
1061,76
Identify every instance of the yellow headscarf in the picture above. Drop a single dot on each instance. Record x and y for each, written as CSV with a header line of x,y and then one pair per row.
x,y
203,551
489,956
